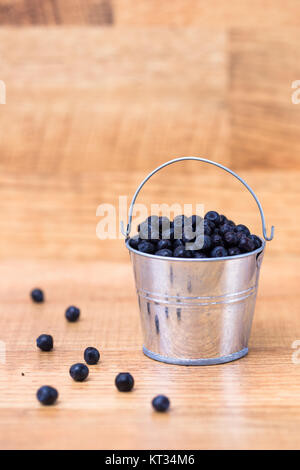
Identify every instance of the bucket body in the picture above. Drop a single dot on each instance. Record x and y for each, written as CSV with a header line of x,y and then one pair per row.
x,y
196,311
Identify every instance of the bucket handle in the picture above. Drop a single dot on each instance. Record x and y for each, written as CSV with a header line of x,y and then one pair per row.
x,y
170,162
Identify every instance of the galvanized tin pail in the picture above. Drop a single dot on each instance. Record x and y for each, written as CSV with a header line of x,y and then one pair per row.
x,y
196,311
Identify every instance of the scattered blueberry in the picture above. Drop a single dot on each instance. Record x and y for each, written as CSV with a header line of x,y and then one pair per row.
x,y
218,252
79,372
47,395
124,382
45,342
161,403
72,313
91,356
37,295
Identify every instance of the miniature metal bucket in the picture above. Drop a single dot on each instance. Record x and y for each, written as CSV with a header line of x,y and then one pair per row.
x,y
196,311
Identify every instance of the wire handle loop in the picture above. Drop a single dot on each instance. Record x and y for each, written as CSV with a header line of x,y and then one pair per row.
x,y
126,232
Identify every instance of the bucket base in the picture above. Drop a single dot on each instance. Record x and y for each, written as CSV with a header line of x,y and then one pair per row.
x,y
196,362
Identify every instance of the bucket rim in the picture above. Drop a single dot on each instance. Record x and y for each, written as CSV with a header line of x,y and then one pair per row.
x,y
195,260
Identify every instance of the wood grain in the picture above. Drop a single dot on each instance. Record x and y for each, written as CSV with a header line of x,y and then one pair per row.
x,y
100,92
250,403
216,13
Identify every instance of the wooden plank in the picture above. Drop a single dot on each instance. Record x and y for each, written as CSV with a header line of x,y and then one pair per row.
x,y
264,121
56,12
216,13
55,217
90,100
250,403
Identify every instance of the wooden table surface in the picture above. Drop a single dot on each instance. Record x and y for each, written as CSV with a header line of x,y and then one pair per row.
x,y
98,94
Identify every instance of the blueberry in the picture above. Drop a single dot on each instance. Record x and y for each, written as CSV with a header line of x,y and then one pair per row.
x,y
233,251
168,234
164,223
162,244
124,382
230,238
206,227
203,242
47,395
194,221
225,228
37,295
240,235
218,252
146,247
180,252
72,313
189,253
222,219
216,239
188,235
213,216
164,252
161,403
180,220
199,254
256,240
149,231
91,356
178,243
230,222
246,244
242,228
45,342
134,242
79,372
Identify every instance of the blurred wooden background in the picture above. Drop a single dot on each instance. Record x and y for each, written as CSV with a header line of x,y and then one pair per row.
x,y
99,92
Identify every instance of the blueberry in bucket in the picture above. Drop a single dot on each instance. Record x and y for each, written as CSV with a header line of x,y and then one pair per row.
x,y
146,247
218,252
214,236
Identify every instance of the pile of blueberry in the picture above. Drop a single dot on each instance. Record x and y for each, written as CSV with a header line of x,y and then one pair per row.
x,y
194,237
79,372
